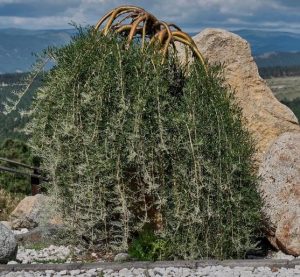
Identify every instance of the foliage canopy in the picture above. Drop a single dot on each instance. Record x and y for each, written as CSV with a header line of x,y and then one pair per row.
x,y
128,141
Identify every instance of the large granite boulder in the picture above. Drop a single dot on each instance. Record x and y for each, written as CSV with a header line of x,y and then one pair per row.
x,y
33,211
266,117
280,191
8,245
274,128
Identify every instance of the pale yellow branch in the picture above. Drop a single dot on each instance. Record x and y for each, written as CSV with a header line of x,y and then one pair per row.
x,y
161,36
193,48
135,25
144,34
158,30
123,28
117,11
132,15
183,35
174,26
153,39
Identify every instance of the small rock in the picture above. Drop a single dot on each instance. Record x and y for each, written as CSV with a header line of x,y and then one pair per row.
x,y
281,256
33,211
108,271
74,272
94,255
50,272
138,271
125,272
92,271
160,271
186,272
63,272
28,274
12,262
122,257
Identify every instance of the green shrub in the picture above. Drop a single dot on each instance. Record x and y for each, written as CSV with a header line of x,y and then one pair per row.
x,y
147,246
129,141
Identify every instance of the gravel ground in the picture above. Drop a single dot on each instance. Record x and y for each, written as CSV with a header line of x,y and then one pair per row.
x,y
63,254
209,271
54,254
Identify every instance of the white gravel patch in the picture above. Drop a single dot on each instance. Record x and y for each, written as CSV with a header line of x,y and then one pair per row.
x,y
51,254
63,254
209,271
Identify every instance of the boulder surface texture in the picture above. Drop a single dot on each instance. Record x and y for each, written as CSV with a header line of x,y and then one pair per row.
x,y
33,211
280,191
8,245
275,130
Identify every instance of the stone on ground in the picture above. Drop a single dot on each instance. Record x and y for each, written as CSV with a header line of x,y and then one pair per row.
x,y
31,212
122,257
8,245
280,190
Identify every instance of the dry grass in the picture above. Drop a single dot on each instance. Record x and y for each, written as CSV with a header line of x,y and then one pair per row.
x,y
8,202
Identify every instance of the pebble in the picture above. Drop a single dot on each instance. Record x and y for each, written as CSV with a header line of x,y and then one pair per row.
x,y
75,272
21,231
12,262
122,257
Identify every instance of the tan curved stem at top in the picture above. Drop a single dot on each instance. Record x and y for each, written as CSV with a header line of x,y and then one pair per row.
x,y
147,26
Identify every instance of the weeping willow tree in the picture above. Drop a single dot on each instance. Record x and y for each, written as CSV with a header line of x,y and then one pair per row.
x,y
128,140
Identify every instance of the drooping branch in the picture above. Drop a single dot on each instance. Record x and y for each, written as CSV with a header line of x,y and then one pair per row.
x,y
133,21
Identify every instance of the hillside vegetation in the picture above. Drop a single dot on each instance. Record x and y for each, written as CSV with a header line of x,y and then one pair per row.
x,y
278,59
18,47
279,71
10,84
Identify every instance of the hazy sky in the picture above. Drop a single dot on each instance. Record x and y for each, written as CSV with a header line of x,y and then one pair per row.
x,y
191,15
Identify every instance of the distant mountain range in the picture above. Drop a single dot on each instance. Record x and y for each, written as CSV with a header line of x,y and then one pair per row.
x,y
17,46
265,42
282,59
273,48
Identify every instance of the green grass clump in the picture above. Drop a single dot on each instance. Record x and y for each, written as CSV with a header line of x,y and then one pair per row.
x,y
148,246
129,141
